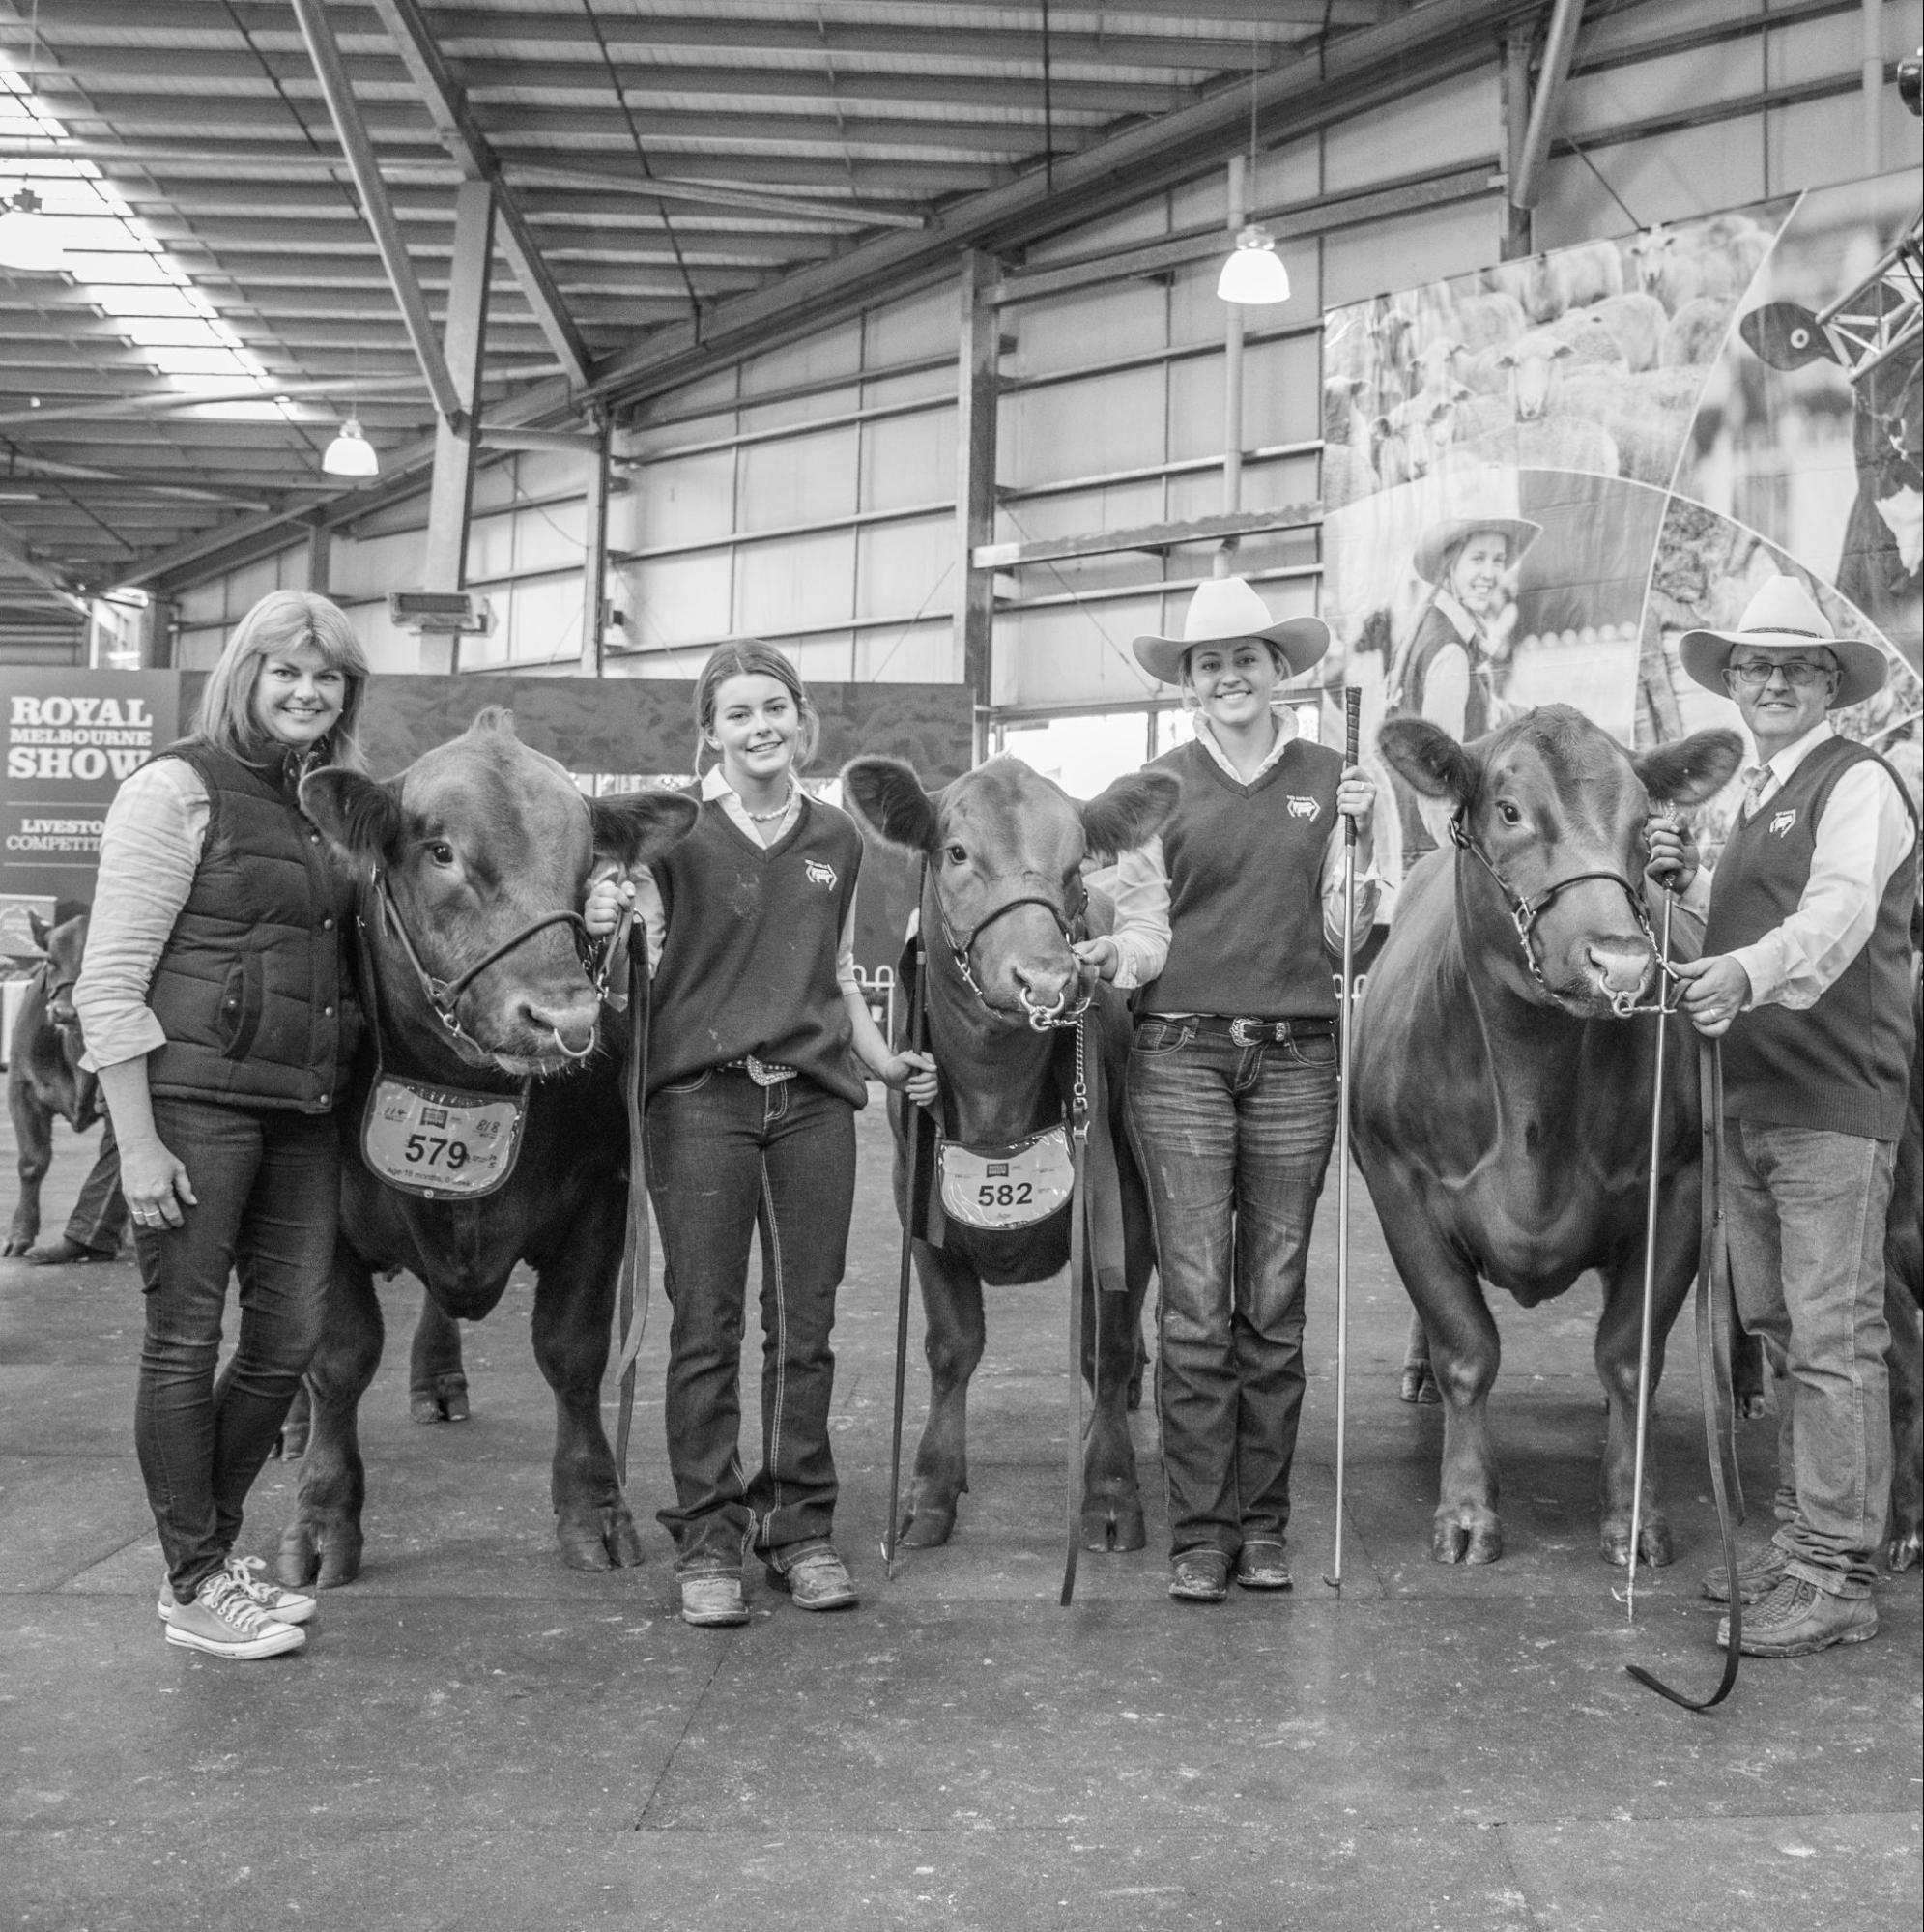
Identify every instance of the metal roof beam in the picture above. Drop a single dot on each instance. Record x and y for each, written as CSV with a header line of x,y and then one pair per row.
x,y
17,552
345,111
464,140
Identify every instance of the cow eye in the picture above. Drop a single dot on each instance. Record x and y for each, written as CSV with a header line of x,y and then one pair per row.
x,y
440,852
956,855
1508,813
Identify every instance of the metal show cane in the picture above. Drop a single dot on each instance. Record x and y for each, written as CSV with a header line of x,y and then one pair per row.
x,y
1345,1070
911,1148
1650,1249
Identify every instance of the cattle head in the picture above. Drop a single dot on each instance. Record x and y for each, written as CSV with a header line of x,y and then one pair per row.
x,y
1555,808
480,841
1002,836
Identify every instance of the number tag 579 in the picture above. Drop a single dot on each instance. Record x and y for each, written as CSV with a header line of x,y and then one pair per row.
x,y
443,1143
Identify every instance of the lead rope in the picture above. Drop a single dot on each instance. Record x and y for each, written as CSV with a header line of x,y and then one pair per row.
x,y
636,1264
1079,1263
912,1173
1714,1367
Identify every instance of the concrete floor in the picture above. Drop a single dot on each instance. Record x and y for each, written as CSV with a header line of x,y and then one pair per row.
x,y
476,1736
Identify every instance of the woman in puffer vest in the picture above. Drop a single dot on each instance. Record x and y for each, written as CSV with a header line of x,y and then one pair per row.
x,y
218,1011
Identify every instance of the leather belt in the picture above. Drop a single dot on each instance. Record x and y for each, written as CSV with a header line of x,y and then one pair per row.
x,y
1251,1032
763,1072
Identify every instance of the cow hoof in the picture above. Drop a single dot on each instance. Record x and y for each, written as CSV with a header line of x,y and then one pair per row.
x,y
1653,1544
444,1400
1452,1541
601,1539
1749,1407
308,1556
1904,1552
1419,1386
1119,1529
926,1528
18,1244
1133,1400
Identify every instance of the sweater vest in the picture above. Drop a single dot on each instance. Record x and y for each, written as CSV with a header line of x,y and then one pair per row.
x,y
1842,1065
1435,633
1246,866
748,965
249,987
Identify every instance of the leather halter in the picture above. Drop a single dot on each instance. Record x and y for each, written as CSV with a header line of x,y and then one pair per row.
x,y
1525,911
1040,1018
444,996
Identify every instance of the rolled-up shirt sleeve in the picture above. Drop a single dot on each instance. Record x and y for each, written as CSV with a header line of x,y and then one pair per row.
x,y
150,849
1141,890
1363,903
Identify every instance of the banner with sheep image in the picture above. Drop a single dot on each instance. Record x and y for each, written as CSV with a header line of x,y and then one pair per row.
x,y
1535,478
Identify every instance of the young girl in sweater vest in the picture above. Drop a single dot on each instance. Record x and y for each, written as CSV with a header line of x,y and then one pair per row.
x,y
751,1130
1225,921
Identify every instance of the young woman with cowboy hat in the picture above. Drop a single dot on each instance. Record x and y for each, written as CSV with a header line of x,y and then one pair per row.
x,y
1227,922
1806,977
1444,673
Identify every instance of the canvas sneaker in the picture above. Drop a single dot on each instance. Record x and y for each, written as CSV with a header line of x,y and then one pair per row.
x,y
286,1606
224,1621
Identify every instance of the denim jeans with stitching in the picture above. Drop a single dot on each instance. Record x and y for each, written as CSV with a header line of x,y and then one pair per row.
x,y
729,1158
1233,1142
268,1184
1806,1217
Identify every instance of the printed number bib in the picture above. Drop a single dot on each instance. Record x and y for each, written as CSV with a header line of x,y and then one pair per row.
x,y
439,1142
1011,1187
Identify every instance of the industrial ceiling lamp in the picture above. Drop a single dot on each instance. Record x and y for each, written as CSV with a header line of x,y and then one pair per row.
x,y
350,453
1254,274
28,238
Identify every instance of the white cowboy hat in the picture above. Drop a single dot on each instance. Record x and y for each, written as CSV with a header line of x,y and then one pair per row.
x,y
1225,608
1434,545
1784,616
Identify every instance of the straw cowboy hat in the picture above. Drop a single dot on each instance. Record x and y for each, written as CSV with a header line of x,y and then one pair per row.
x,y
1783,616
1434,545
1224,608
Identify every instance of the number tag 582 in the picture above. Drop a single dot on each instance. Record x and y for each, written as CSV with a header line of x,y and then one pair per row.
x,y
443,1143
1007,1187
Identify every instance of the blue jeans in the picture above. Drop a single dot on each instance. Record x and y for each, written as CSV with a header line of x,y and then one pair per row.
x,y
1233,1142
267,1182
1806,1217
727,1159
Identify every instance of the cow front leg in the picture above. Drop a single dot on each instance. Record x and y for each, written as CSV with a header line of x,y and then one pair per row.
x,y
953,1334
1111,1500
574,1304
322,1543
1618,1342
33,1137
437,1377
1904,1547
1419,1382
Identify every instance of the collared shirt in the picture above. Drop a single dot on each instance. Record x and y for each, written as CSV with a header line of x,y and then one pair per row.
x,y
150,850
1863,837
653,916
1141,887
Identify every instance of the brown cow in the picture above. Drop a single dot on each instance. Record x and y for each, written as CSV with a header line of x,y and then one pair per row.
x,y
1502,1108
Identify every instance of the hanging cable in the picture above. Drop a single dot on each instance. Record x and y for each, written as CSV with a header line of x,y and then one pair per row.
x,y
1607,189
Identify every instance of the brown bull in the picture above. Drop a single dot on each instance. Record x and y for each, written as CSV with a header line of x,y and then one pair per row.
x,y
1502,1110
1005,850
44,1078
483,844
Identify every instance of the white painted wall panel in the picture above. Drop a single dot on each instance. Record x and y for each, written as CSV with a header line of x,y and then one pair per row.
x,y
798,581
1098,324
1082,429
923,653
679,502
1431,129
1411,248
905,567
799,479
908,460
906,332
674,601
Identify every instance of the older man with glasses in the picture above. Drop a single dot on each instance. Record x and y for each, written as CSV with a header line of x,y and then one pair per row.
x,y
1807,972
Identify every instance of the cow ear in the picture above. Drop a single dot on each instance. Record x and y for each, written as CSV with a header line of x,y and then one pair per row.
x,y
361,815
635,828
1130,813
1428,759
39,929
886,794
1690,771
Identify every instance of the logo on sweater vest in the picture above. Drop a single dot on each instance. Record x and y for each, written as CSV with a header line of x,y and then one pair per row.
x,y
818,873
1304,808
1783,823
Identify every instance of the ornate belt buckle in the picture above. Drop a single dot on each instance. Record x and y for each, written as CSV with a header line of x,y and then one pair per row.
x,y
1240,1038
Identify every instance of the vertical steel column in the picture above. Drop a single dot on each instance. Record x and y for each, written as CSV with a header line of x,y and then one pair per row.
x,y
594,562
156,634
1516,91
456,437
1232,380
976,391
320,558
1874,87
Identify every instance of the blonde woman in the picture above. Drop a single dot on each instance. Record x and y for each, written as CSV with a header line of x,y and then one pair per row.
x,y
216,1008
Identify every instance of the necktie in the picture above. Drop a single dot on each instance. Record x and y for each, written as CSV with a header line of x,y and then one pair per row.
x,y
1755,778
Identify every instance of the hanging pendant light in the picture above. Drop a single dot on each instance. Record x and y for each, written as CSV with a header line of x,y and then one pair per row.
x,y
28,239
1253,274
350,453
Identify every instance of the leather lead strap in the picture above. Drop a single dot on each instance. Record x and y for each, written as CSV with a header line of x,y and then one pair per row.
x,y
912,1133
1713,1366
1079,1280
634,1255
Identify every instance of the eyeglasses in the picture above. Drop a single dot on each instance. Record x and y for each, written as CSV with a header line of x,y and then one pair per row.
x,y
1799,673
